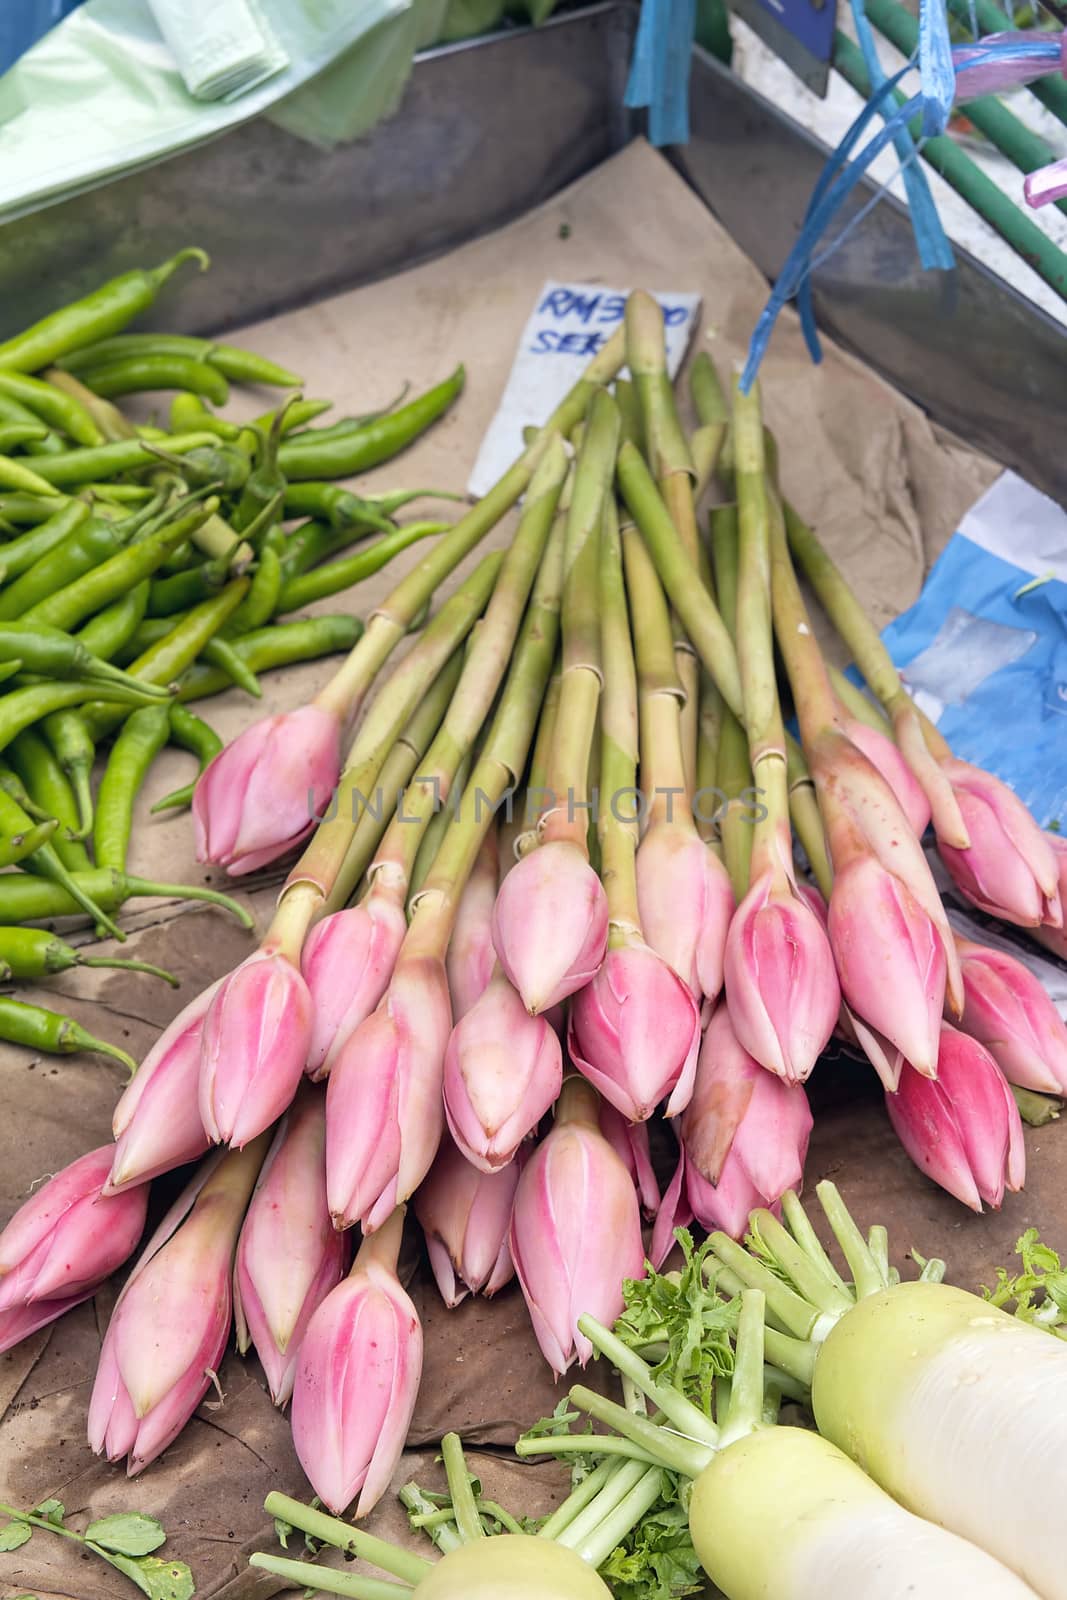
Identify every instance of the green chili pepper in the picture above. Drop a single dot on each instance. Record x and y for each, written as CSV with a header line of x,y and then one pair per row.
x,y
36,763
111,422
119,494
17,846
24,898
13,475
366,447
46,864
12,785
104,312
143,736
282,645
76,467
114,576
35,953
21,708
329,503
189,414
353,569
53,1034
165,661
145,374
243,366
55,553
192,733
266,485
172,596
30,510
9,669
298,413
261,601
181,559
12,411
53,405
14,435
220,466
348,425
71,743
50,653
106,633
220,653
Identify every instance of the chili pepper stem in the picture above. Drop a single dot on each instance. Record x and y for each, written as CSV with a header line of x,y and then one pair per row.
x,y
131,966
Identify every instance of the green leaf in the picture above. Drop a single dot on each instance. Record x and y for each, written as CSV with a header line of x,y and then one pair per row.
x,y
128,1533
14,1534
52,1511
282,1530
159,1579
680,1325
657,1560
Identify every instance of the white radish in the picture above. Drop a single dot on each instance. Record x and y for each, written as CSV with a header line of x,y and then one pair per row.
x,y
960,1411
784,1515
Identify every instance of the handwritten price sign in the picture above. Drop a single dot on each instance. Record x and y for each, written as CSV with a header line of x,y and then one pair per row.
x,y
569,324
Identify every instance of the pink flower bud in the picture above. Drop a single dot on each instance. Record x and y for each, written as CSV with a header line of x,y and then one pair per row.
x,y
18,1322
357,1379
629,1140
253,1048
1010,869
575,1230
550,924
169,1328
347,962
781,986
890,959
503,1070
686,903
471,957
157,1123
67,1237
465,1215
739,1109
384,1112
883,753
1008,1010
964,1130
635,1032
1055,939
261,795
289,1255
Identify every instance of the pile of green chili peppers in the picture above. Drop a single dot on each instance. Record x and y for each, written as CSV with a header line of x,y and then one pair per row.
x,y
143,567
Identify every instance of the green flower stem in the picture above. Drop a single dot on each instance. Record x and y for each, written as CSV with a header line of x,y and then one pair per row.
x,y
306,1575
875,663
630,426
669,1449
580,686
501,762
806,817
537,777
660,692
353,1541
486,662
744,1412
734,772
397,772
708,395
680,576
616,828
323,858
705,447
468,1522
771,840
856,703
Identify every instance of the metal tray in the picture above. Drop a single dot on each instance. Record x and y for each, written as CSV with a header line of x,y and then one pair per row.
x,y
488,129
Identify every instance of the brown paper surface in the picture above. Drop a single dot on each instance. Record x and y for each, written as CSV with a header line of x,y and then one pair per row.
x,y
884,489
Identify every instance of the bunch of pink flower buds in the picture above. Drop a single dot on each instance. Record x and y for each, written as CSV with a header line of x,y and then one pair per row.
x,y
489,1023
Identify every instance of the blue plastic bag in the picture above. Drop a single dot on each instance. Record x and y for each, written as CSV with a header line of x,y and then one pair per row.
x,y
23,22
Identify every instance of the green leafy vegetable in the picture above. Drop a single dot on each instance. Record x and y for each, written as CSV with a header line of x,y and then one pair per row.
x,y
123,1540
1039,1291
657,1560
679,1323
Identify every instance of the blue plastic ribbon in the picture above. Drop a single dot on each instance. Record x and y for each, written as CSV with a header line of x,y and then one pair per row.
x,y
935,252
659,72
937,74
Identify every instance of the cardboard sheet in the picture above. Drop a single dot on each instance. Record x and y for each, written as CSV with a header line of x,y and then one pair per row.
x,y
885,490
